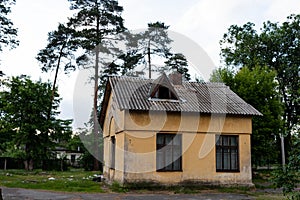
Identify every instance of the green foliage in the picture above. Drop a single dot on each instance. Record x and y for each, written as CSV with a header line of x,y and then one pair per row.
x,y
144,47
60,48
179,63
28,131
277,47
287,177
95,23
257,86
116,187
223,75
7,32
82,142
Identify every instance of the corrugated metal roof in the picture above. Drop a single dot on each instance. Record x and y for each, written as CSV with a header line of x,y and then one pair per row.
x,y
133,94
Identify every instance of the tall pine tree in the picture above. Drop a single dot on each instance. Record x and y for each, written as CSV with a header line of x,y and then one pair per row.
x,y
95,22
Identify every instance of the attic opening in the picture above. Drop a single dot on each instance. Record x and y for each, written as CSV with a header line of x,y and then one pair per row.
x,y
163,92
162,89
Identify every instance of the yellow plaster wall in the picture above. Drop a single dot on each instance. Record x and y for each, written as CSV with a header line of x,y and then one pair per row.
x,y
187,122
119,162
118,172
113,112
136,141
198,160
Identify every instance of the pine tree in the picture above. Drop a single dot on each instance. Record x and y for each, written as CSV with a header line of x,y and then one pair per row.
x,y
95,22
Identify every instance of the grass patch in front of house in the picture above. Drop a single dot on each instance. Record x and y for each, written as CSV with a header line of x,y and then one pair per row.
x,y
69,181
81,181
117,187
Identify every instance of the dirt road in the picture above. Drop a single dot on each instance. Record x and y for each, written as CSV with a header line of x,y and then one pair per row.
x,y
25,194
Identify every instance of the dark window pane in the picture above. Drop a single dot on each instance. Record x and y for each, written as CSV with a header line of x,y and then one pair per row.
x,y
234,161
219,140
177,140
160,139
168,156
233,141
227,158
219,159
225,141
177,164
159,159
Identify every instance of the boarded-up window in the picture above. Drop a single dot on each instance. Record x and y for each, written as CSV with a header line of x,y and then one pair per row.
x,y
168,152
227,153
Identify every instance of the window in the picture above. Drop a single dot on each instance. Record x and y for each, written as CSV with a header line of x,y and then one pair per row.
x,y
168,152
227,154
73,158
164,93
113,152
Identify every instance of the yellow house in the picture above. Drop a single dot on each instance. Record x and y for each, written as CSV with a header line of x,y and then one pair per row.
x,y
167,131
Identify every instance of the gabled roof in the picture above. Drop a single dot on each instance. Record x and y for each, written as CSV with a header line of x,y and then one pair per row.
x,y
131,93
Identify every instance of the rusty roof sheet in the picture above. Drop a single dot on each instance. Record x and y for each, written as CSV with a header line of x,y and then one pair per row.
x,y
133,94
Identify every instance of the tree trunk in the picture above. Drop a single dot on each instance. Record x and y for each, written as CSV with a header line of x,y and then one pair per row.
x,y
95,106
55,78
95,113
149,59
62,164
28,164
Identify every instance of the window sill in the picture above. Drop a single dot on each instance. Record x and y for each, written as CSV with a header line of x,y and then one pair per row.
x,y
169,170
228,171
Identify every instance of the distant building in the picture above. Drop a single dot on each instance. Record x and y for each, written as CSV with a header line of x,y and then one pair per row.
x,y
71,156
167,131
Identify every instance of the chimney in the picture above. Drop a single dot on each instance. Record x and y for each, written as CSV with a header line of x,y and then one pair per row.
x,y
175,78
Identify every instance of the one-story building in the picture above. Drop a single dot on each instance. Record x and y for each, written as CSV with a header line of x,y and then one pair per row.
x,y
168,131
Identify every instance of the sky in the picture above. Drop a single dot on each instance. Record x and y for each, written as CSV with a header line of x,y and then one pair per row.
x,y
202,21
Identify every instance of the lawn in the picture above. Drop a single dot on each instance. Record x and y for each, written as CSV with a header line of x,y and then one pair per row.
x,y
69,181
81,181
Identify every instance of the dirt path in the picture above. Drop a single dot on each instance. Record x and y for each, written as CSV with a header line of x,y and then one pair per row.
x,y
25,194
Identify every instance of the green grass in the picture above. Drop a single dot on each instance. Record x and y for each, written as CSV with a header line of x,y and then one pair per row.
x,y
81,181
70,181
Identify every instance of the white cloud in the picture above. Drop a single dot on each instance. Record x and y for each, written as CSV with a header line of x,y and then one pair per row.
x,y
208,20
203,21
279,10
